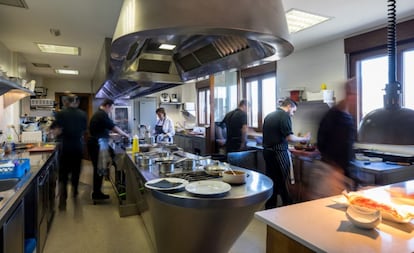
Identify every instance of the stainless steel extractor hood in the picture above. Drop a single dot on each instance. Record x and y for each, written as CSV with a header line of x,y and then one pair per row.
x,y
391,124
209,36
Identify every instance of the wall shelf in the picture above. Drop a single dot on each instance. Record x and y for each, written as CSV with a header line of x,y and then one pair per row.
x,y
177,104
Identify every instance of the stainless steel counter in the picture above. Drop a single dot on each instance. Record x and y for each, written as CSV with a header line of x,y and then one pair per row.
x,y
181,222
12,196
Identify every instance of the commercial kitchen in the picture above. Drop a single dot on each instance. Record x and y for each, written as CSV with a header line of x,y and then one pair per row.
x,y
179,195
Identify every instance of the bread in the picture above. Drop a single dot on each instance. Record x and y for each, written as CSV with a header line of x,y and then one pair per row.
x,y
388,211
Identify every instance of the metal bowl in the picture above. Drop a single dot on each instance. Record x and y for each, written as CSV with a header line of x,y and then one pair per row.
x,y
215,169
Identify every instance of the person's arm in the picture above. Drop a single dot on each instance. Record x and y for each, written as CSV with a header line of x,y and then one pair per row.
x,y
119,130
244,131
170,128
294,138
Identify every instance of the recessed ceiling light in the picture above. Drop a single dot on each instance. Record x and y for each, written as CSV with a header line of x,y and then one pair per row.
x,y
56,49
299,20
167,46
67,71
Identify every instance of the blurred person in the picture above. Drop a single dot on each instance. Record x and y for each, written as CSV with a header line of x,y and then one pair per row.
x,y
236,128
277,132
336,137
99,127
69,126
164,128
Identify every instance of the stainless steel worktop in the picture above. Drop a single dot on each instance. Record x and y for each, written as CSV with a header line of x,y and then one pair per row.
x,y
12,196
181,222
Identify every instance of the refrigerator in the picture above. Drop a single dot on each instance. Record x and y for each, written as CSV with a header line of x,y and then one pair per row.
x,y
144,112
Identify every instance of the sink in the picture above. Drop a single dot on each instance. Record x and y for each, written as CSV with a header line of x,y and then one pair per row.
x,y
8,184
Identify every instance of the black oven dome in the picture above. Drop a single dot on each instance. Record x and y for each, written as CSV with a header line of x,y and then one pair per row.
x,y
388,126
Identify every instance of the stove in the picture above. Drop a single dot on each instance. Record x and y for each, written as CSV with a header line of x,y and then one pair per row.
x,y
192,175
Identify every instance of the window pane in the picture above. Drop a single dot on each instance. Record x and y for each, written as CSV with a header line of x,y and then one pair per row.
x,y
374,77
268,96
408,66
252,95
201,107
225,93
207,99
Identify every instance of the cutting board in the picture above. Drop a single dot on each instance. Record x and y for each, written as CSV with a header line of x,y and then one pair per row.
x,y
42,149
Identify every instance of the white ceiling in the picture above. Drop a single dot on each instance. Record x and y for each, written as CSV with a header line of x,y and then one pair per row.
x,y
85,23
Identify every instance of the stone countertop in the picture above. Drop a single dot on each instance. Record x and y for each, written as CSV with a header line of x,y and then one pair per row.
x,y
11,197
321,225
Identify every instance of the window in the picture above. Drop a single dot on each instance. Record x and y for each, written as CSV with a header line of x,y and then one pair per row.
x,y
203,106
225,94
261,94
368,61
374,76
408,77
259,88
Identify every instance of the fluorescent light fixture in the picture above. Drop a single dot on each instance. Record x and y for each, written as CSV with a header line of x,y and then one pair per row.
x,y
166,46
56,49
299,20
67,71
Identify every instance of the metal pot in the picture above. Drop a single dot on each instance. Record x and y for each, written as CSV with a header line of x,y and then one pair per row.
x,y
215,168
143,160
188,164
166,167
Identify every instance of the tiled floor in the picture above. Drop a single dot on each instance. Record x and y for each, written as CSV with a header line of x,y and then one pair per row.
x,y
88,228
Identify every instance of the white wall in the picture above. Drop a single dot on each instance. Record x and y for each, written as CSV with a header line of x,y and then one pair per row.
x,y
65,85
14,64
186,93
309,68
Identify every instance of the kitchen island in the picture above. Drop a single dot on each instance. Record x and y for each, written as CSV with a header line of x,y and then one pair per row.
x,y
181,222
321,226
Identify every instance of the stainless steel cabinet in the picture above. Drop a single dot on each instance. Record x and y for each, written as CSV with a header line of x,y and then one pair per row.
x,y
191,144
13,231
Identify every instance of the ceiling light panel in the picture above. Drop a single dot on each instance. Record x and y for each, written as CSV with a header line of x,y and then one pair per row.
x,y
299,20
167,46
67,71
56,49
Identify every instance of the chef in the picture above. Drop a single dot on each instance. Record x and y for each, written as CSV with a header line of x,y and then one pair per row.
x,y
164,128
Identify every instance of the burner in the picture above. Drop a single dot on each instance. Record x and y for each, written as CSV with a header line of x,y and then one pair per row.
x,y
192,175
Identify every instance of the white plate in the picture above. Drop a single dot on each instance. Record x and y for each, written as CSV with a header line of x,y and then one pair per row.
x,y
208,188
363,217
342,200
170,179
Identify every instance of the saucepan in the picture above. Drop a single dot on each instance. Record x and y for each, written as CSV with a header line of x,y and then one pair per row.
x,y
215,168
167,166
188,164
143,160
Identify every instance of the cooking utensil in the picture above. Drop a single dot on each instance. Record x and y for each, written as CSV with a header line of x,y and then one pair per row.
x,y
165,166
215,169
143,160
188,164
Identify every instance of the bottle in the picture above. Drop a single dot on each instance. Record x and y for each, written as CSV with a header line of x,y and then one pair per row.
x,y
135,144
9,142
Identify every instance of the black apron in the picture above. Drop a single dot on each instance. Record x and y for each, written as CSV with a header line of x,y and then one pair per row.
x,y
158,128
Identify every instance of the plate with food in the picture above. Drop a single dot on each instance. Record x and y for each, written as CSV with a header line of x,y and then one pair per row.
x,y
166,184
388,211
